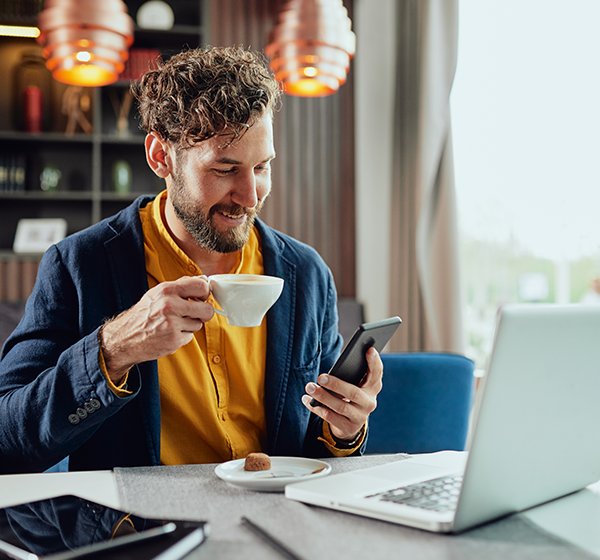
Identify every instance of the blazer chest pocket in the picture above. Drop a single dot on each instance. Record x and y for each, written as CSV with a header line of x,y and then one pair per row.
x,y
308,370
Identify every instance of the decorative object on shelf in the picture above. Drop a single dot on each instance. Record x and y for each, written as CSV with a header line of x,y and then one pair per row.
x,y
32,92
75,103
122,177
122,108
50,178
33,108
85,41
155,14
311,46
36,236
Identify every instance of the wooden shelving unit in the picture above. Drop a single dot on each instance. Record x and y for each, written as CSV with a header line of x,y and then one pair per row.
x,y
85,194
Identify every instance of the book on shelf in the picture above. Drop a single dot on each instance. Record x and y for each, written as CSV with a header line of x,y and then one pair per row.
x,y
139,62
12,172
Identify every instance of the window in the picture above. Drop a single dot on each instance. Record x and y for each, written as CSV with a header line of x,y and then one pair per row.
x,y
526,130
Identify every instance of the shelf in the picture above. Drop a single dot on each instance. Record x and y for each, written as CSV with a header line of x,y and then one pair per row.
x,y
45,137
11,136
116,197
175,30
21,20
137,140
67,195
87,162
10,255
48,196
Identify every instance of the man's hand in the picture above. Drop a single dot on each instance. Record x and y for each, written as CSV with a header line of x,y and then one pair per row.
x,y
164,320
348,412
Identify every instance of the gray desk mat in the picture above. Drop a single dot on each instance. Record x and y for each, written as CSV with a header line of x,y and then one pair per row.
x,y
194,492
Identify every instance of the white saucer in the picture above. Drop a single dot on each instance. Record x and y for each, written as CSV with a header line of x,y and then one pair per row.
x,y
284,470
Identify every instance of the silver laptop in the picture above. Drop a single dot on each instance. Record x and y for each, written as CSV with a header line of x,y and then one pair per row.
x,y
535,437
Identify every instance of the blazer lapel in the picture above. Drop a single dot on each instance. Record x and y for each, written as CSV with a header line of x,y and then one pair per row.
x,y
280,333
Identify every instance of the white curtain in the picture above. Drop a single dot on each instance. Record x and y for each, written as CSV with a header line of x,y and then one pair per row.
x,y
424,271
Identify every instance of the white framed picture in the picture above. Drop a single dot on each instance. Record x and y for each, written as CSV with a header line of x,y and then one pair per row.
x,y
36,235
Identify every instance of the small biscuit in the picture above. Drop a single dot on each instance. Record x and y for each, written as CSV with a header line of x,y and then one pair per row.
x,y
257,462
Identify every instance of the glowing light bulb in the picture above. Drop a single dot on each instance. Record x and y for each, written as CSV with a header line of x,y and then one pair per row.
x,y
19,31
83,56
310,71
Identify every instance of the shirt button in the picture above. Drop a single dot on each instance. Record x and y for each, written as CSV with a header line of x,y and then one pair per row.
x,y
74,419
223,417
192,268
82,412
217,359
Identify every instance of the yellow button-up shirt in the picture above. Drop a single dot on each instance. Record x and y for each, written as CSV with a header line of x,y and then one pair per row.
x,y
212,389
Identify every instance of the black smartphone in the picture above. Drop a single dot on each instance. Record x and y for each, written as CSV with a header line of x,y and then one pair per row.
x,y
352,366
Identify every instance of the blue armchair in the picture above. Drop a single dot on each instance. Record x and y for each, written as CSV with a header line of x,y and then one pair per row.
x,y
425,403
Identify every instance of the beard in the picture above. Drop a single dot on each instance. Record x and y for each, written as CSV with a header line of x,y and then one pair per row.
x,y
200,225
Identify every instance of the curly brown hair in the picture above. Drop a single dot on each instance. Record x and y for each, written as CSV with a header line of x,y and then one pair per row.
x,y
206,92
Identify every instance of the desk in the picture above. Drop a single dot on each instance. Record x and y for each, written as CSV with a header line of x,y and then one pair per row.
x,y
565,528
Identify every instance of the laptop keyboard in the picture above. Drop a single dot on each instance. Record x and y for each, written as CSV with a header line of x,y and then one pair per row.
x,y
438,494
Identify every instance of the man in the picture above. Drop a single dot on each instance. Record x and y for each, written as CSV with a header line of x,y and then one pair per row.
x,y
119,359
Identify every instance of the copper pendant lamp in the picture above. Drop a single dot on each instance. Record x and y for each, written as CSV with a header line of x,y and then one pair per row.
x,y
85,41
311,46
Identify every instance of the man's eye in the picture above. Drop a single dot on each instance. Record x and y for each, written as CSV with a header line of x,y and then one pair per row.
x,y
225,171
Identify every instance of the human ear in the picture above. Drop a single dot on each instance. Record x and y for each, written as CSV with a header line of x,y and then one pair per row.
x,y
158,155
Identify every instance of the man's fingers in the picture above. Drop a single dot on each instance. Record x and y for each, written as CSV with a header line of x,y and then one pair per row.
x,y
353,404
344,390
190,325
375,374
186,287
197,310
172,299
161,322
343,424
346,406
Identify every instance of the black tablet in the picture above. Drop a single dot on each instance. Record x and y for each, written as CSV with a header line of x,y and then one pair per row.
x,y
69,527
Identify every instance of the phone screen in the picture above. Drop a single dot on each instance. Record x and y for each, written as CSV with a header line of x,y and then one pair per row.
x,y
352,366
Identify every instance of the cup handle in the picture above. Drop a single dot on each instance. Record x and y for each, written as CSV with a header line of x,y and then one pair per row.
x,y
216,310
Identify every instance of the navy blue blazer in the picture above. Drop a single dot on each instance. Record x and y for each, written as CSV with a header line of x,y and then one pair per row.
x,y
54,399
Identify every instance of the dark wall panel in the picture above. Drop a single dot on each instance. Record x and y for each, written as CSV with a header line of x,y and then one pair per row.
x,y
313,175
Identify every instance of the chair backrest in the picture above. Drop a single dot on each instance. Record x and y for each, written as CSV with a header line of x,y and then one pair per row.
x,y
424,405
351,316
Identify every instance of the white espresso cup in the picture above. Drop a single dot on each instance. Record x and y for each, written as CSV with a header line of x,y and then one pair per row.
x,y
244,298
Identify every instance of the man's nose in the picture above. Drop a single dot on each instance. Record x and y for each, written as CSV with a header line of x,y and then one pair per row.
x,y
246,192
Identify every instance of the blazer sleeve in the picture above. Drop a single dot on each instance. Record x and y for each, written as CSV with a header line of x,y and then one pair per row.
x,y
331,345
53,395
